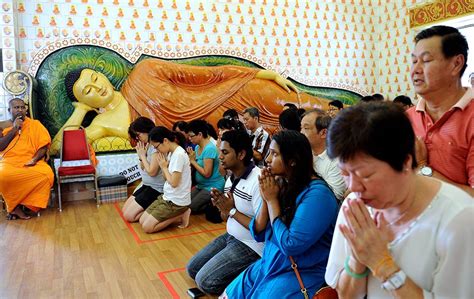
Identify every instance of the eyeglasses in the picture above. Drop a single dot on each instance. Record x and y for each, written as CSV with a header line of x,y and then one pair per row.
x,y
191,135
157,145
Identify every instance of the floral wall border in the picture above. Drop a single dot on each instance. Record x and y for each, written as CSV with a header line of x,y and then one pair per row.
x,y
439,10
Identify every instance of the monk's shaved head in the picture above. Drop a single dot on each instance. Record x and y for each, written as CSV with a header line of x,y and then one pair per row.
x,y
13,101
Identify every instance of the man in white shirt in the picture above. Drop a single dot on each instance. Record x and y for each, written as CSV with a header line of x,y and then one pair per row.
x,y
314,125
260,138
222,260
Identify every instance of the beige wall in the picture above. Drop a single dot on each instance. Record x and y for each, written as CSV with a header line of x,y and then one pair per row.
x,y
394,43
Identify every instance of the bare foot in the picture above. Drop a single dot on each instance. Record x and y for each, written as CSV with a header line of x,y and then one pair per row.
x,y
185,219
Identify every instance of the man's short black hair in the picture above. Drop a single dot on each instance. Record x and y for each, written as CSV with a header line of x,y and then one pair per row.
x,y
452,41
337,103
240,141
404,100
289,119
378,97
366,99
290,106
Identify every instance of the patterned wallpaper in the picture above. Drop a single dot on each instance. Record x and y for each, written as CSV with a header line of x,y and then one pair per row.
x,y
8,48
364,43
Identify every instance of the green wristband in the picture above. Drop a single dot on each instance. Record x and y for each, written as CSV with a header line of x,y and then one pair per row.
x,y
352,274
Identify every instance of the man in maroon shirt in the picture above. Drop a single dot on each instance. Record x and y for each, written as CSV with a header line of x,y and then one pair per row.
x,y
443,120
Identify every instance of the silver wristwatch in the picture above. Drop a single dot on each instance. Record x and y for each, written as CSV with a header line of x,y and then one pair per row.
x,y
396,281
232,212
426,171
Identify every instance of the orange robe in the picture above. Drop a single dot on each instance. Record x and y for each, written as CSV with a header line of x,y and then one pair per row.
x,y
167,92
19,184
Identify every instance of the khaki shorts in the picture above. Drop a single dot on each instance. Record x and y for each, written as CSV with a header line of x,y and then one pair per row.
x,y
162,209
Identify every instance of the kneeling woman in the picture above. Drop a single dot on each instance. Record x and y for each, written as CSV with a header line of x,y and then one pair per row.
x,y
173,205
296,219
152,178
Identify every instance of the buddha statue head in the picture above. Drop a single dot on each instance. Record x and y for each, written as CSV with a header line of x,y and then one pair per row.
x,y
89,87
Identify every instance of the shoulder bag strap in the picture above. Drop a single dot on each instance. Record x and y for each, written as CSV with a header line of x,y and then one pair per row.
x,y
294,266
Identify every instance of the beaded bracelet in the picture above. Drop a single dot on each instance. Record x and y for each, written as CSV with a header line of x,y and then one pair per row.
x,y
352,274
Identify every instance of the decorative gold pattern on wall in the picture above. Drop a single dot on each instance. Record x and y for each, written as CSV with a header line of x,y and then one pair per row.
x,y
439,10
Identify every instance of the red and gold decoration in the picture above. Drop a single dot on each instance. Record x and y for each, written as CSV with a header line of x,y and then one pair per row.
x,y
439,10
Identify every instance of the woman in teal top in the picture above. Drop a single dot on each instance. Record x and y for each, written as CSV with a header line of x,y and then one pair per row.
x,y
205,159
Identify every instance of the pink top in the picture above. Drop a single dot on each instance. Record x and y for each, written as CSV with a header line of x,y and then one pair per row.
x,y
450,140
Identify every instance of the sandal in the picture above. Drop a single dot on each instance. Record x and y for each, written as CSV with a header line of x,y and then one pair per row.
x,y
12,216
28,212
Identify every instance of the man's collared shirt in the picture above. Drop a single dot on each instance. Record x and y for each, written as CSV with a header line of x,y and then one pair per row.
x,y
450,140
330,172
247,200
260,143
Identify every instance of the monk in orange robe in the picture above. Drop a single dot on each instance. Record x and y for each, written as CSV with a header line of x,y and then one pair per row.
x,y
25,178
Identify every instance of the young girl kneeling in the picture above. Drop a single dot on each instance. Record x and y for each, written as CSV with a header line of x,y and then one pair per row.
x,y
172,207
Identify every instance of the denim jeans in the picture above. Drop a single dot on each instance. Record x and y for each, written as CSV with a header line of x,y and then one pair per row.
x,y
217,264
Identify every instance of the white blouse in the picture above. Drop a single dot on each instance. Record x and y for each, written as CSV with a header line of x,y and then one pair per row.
x,y
436,251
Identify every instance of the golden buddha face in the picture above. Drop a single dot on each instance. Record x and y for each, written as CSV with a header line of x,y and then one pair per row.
x,y
93,89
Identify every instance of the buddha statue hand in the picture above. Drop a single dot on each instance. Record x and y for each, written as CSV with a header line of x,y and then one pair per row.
x,y
84,107
278,79
286,84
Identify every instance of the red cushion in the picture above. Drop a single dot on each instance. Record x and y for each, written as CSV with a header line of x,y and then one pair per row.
x,y
76,170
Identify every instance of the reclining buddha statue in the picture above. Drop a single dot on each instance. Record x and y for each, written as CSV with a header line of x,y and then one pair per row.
x,y
167,92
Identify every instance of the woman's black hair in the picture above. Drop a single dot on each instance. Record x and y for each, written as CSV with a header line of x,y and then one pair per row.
x,y
140,125
211,131
158,134
181,125
378,129
230,113
230,124
199,126
297,158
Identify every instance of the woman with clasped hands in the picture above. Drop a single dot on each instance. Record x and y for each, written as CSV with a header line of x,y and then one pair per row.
x,y
296,218
398,234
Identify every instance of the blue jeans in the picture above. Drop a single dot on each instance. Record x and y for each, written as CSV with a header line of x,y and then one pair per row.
x,y
217,264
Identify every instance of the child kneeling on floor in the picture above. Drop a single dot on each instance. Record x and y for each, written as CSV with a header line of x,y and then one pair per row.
x,y
172,207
